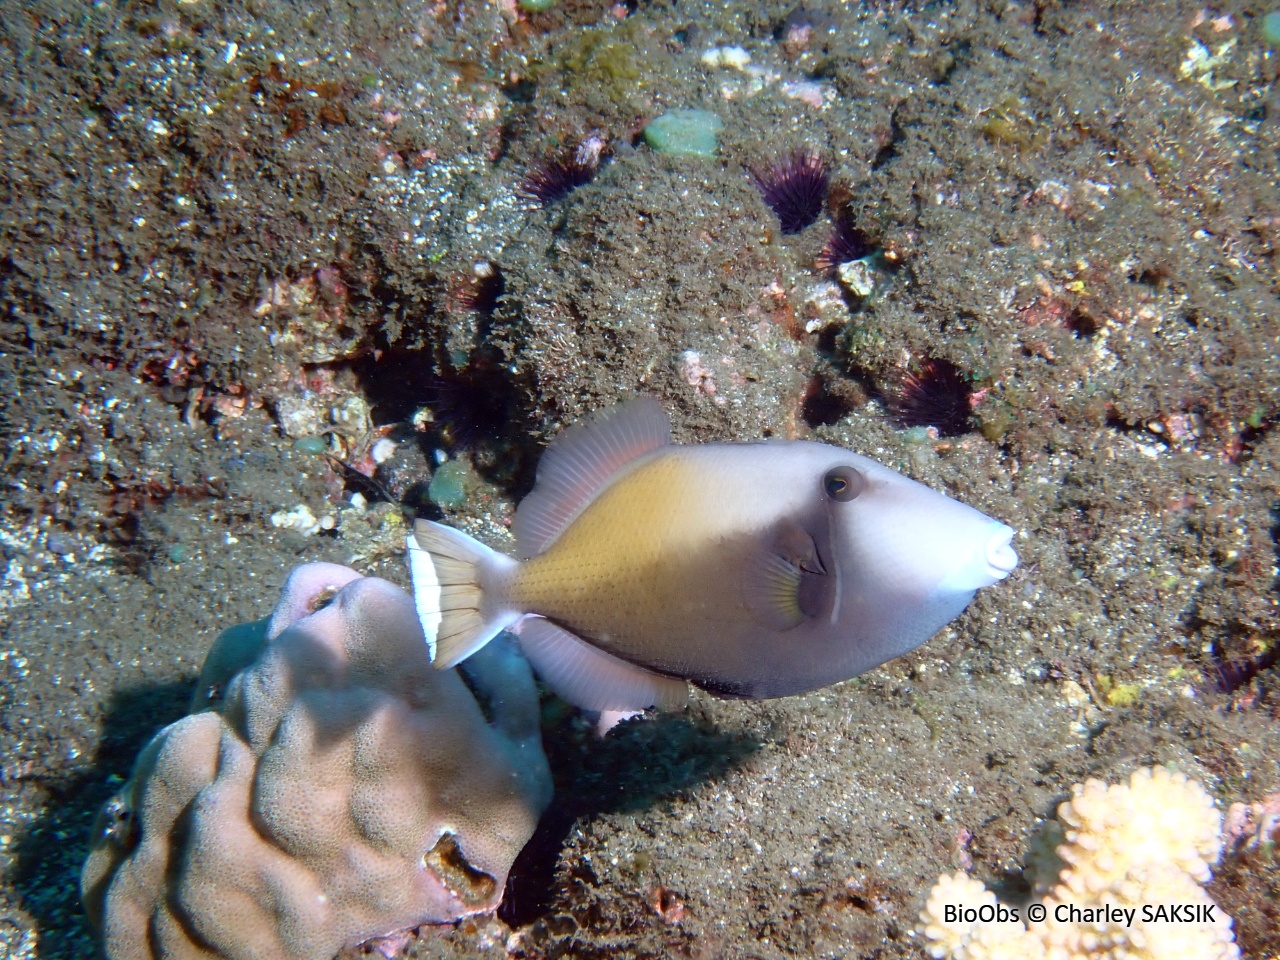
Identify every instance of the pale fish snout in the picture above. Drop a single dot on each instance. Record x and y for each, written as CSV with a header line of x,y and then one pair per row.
x,y
1001,557
991,557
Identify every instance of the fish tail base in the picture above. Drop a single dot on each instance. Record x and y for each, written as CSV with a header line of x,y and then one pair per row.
x,y
456,582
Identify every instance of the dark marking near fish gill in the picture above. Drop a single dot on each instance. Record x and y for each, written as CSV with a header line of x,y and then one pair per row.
x,y
725,688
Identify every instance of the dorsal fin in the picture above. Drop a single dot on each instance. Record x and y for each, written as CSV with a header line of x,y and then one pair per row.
x,y
581,462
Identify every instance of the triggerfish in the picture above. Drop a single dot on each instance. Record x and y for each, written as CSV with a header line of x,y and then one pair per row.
x,y
749,569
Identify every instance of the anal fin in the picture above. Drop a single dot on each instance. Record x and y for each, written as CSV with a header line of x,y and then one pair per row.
x,y
590,678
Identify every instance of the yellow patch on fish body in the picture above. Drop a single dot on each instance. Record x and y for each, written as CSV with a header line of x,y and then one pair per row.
x,y
641,570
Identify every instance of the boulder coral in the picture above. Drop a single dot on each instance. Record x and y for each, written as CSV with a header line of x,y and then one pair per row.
x,y
1148,843
329,787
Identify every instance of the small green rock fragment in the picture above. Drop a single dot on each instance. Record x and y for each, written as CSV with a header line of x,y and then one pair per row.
x,y
691,133
536,6
1271,28
315,445
448,487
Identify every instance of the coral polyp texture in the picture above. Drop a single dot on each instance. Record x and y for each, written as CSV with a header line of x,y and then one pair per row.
x,y
1129,849
332,788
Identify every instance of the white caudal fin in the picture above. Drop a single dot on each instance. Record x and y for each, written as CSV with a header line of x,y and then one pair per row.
x,y
454,577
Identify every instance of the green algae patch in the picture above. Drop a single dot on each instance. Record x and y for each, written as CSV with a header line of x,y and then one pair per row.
x,y
604,56
995,419
449,485
608,67
1118,694
690,133
1009,123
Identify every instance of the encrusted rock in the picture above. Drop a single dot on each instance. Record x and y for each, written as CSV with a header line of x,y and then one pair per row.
x,y
331,787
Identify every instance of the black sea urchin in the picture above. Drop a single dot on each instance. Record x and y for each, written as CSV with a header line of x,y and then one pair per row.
x,y
795,188
554,178
480,291
935,394
473,404
845,244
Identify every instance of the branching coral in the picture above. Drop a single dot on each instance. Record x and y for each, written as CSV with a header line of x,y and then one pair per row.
x,y
1132,863
332,787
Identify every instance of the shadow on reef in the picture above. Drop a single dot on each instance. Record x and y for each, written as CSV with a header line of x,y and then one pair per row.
x,y
636,764
477,410
1247,884
49,854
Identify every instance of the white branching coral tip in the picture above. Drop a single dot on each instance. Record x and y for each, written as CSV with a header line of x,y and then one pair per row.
x,y
1141,844
949,935
1159,820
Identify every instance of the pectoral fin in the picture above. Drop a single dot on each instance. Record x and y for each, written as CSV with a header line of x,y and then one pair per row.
x,y
785,581
772,589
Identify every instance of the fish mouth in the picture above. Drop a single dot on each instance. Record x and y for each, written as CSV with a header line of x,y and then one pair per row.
x,y
1000,555
988,558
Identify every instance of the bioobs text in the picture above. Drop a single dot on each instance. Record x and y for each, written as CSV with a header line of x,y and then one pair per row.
x,y
1070,913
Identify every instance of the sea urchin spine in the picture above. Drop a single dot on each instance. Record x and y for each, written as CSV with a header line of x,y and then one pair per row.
x,y
846,244
934,394
554,178
794,188
472,405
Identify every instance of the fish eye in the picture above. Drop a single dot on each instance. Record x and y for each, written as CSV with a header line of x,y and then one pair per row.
x,y
843,484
